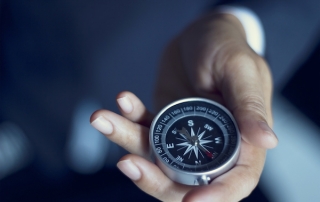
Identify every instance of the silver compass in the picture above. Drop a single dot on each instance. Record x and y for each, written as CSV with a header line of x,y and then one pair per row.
x,y
194,140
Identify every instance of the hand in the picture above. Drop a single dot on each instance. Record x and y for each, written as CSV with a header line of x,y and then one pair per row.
x,y
210,59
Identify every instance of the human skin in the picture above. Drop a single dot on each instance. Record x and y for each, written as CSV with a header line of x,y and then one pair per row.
x,y
211,59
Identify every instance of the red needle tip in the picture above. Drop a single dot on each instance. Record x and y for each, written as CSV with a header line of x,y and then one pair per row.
x,y
209,155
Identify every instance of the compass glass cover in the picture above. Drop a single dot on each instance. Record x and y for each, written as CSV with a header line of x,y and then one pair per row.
x,y
195,135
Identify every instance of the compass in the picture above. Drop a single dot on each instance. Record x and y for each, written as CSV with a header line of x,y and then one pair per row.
x,y
194,140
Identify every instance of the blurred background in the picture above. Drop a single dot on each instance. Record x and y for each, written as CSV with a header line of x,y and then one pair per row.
x,y
64,59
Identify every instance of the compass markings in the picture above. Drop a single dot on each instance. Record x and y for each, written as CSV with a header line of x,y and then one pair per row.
x,y
205,114
216,117
204,141
224,154
201,153
182,148
183,136
218,140
163,154
195,149
192,132
225,124
193,142
172,117
221,126
170,146
198,131
190,147
207,137
197,162
200,136
180,139
179,158
190,155
182,111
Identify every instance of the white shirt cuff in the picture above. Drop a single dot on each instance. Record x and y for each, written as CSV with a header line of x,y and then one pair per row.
x,y
251,24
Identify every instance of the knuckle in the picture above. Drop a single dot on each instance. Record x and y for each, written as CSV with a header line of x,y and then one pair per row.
x,y
253,103
156,189
245,61
127,140
240,58
125,143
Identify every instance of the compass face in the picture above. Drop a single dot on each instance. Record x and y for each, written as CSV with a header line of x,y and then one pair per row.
x,y
196,137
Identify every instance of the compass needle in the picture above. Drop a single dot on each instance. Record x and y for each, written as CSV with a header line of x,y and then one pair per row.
x,y
207,137
192,132
183,136
205,141
200,136
187,140
183,144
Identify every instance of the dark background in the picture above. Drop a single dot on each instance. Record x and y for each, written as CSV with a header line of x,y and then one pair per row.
x,y
55,54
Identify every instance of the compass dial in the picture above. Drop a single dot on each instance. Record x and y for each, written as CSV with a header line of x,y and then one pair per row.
x,y
194,139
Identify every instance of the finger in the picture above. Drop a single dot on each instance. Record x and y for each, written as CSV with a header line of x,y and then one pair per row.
x,y
150,179
133,109
236,184
131,136
247,92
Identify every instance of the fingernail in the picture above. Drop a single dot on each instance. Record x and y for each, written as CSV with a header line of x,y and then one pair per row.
x,y
102,125
129,169
264,126
125,104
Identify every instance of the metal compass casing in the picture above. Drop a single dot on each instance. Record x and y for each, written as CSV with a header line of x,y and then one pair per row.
x,y
194,140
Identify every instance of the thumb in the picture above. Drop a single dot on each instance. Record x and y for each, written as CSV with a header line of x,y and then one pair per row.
x,y
247,91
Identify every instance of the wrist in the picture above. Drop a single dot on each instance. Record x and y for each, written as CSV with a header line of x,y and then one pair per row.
x,y
251,24
232,25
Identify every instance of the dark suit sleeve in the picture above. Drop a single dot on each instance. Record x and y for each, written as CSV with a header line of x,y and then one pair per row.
x,y
291,28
